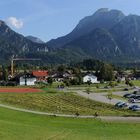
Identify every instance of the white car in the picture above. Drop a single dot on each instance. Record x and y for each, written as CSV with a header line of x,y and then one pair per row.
x,y
121,104
132,100
136,109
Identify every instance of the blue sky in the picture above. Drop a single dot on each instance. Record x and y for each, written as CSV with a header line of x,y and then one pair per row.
x,y
48,19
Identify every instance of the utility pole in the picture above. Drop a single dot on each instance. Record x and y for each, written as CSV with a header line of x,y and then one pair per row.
x,y
12,66
20,59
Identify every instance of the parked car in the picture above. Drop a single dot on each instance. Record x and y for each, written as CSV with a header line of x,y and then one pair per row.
x,y
136,92
129,95
126,89
126,95
134,106
121,104
117,104
137,97
132,100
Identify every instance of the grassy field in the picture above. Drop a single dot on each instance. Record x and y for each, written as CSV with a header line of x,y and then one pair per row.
x,y
25,126
105,90
118,97
94,89
61,103
136,82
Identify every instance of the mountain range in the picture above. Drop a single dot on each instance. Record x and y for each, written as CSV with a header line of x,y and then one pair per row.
x,y
102,18
12,43
106,35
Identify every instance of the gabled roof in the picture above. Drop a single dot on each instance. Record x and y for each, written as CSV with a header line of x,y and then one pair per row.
x,y
91,76
40,73
28,75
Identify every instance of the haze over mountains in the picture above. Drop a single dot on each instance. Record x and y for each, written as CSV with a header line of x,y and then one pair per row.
x,y
107,35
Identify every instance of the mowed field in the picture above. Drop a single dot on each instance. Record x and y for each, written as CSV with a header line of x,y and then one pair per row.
x,y
25,126
52,101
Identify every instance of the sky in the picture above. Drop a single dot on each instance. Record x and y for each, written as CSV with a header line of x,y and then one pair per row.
x,y
49,19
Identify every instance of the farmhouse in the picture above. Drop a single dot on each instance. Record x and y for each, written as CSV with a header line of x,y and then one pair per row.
x,y
91,78
59,77
41,75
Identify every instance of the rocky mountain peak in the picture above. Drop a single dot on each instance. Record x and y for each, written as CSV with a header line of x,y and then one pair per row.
x,y
2,23
102,10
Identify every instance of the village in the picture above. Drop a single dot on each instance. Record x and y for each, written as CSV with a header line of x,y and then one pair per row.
x,y
10,76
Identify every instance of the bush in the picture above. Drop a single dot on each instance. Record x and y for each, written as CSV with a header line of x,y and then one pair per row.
x,y
102,81
76,81
77,114
67,82
118,80
113,84
11,84
89,82
127,81
96,114
131,84
97,86
88,90
50,80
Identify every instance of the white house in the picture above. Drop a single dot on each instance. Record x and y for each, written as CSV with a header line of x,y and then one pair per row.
x,y
25,79
91,78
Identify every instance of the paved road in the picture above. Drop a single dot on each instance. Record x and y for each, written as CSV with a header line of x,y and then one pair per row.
x,y
104,118
101,97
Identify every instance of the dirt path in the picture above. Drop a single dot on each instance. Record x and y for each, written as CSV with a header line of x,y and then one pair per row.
x,y
100,97
104,118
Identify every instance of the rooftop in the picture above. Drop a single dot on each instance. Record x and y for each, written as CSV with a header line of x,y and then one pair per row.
x,y
40,73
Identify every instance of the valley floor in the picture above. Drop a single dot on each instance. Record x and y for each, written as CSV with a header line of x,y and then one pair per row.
x,y
18,125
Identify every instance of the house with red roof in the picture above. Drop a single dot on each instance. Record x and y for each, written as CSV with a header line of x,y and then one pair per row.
x,y
41,75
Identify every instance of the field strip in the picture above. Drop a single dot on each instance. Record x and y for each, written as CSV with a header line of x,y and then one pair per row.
x,y
56,135
64,136
105,118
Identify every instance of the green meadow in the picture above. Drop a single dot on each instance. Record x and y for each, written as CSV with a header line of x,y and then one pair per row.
x,y
25,126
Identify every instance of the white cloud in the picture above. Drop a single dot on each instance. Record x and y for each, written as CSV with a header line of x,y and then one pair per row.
x,y
13,21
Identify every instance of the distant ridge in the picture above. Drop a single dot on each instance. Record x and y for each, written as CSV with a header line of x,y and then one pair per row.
x,y
12,43
107,35
35,39
102,18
